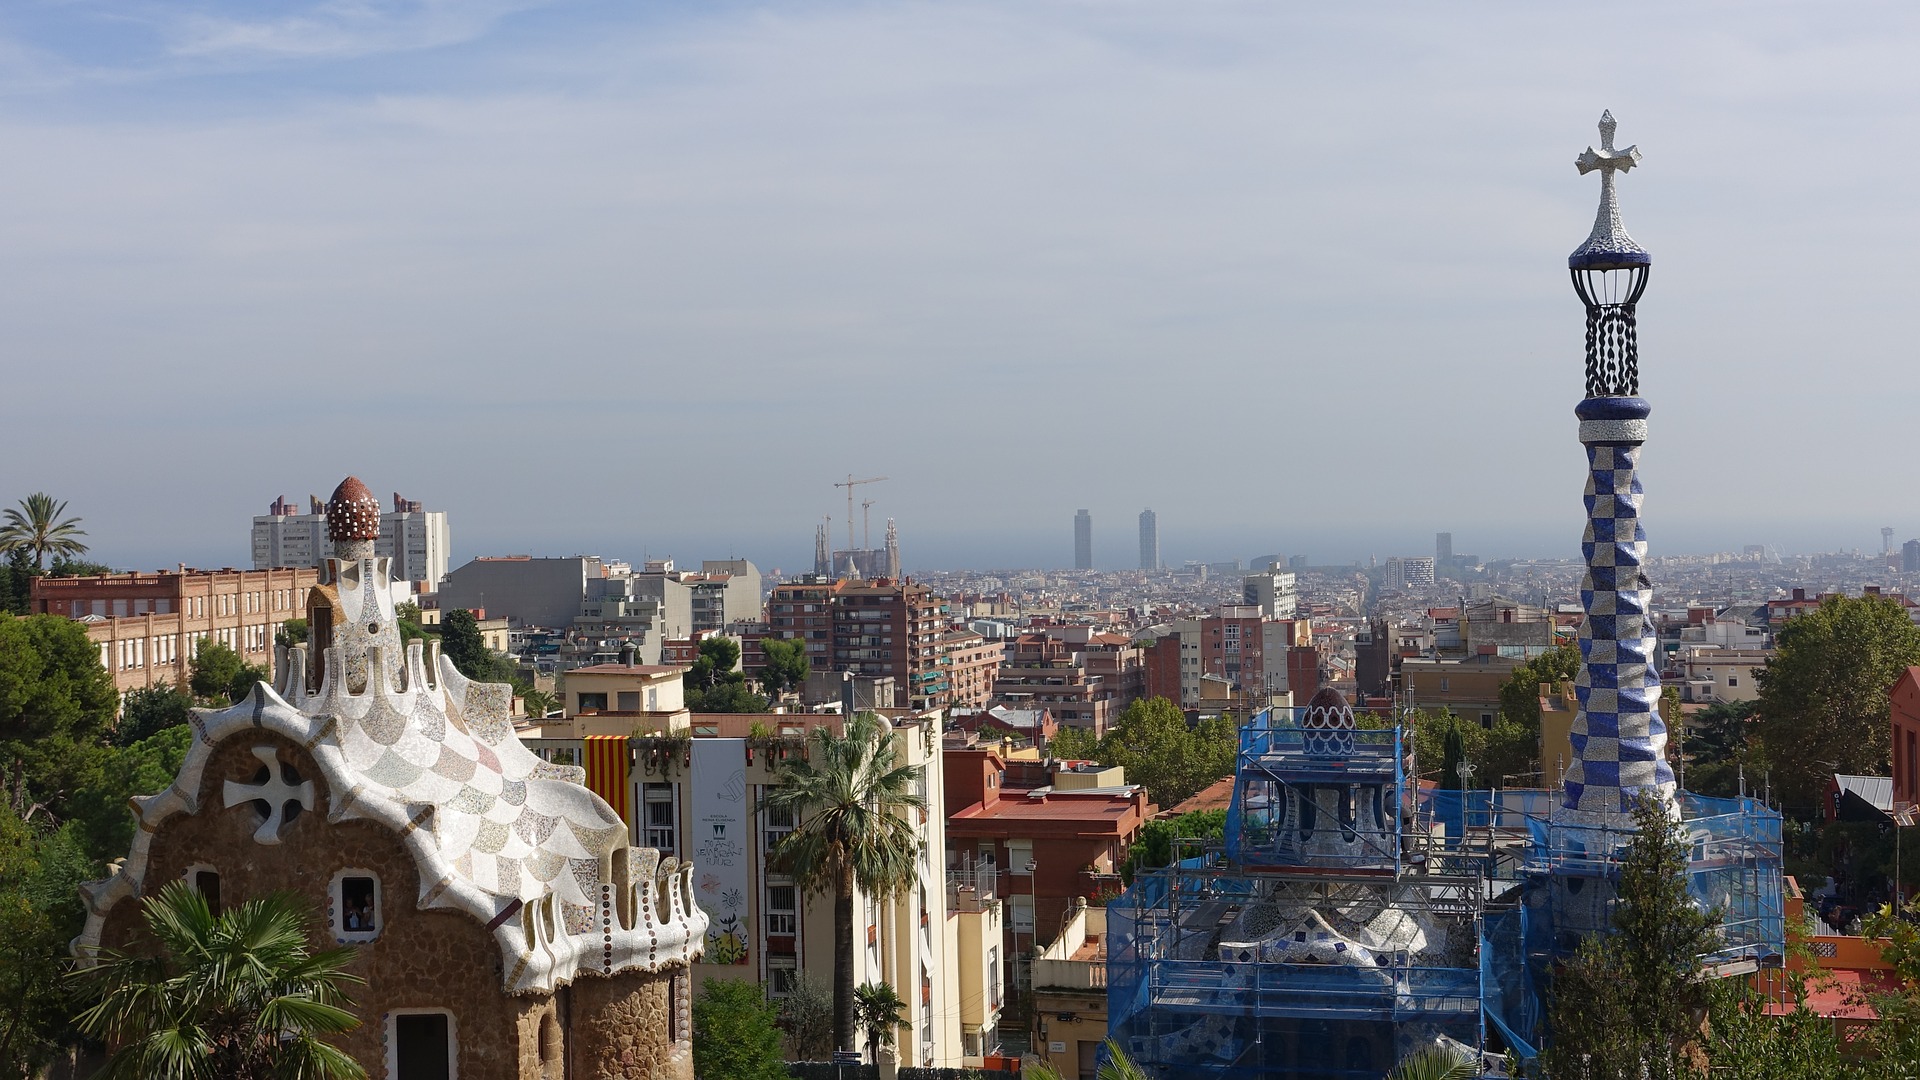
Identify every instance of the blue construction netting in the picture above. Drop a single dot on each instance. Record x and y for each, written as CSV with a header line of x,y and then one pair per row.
x,y
1503,882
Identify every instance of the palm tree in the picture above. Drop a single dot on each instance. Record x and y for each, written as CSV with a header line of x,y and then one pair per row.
x,y
878,1010
39,529
850,803
238,995
1433,1063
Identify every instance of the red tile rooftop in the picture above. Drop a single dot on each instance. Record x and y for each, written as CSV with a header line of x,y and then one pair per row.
x,y
1214,796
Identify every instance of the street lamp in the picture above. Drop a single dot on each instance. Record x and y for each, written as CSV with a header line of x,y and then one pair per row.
x,y
1033,905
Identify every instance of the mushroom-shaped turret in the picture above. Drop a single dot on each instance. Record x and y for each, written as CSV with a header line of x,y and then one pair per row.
x,y
353,513
1328,724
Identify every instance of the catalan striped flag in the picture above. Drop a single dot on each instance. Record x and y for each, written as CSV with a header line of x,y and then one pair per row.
x,y
608,762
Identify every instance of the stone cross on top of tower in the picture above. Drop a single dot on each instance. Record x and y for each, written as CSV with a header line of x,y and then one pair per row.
x,y
1608,247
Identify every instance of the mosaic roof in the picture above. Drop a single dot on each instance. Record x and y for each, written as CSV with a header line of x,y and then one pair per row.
x,y
496,832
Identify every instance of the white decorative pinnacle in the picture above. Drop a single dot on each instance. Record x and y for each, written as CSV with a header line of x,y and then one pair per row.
x,y
1607,158
275,792
1608,245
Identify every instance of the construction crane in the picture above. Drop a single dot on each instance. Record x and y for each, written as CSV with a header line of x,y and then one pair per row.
x,y
850,484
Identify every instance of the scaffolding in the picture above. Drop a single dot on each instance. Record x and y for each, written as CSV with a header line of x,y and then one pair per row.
x,y
1344,922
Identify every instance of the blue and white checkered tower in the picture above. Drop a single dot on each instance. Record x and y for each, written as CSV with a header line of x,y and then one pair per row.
x,y
1619,740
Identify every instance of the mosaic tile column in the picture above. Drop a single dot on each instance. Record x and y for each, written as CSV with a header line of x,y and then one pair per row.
x,y
1619,740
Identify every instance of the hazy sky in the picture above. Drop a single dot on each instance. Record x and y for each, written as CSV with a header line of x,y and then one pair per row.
x,y
639,277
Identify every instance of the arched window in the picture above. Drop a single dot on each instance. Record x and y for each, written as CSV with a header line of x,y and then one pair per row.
x,y
353,906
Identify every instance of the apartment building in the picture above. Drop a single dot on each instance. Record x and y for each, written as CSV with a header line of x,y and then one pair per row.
x,y
880,627
1229,647
1040,833
698,797
147,626
972,662
1070,993
415,538
1469,688
1084,678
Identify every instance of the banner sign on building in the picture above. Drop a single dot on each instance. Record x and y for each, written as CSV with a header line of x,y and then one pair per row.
x,y
718,835
608,760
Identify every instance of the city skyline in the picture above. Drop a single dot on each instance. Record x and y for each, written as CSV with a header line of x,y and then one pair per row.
x,y
518,219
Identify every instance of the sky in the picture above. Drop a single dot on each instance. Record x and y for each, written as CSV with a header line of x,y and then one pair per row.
x,y
636,278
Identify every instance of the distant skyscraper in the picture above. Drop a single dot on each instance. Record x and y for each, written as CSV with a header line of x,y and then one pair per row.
x,y
1149,540
1083,541
1886,539
1910,556
1443,548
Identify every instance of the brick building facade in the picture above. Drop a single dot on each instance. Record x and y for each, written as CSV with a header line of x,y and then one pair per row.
x,y
147,625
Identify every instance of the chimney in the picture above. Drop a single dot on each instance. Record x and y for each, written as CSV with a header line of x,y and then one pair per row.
x,y
1799,594
628,652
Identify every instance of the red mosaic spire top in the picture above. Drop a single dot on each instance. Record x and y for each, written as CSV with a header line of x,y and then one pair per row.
x,y
353,513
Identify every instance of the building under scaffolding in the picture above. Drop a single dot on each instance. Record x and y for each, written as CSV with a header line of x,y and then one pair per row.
x,y
1344,923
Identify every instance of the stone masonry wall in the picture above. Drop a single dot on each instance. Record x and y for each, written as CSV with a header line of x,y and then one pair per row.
x,y
621,1028
422,959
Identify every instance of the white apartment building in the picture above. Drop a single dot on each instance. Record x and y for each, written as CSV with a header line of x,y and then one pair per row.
x,y
415,539
1411,571
937,947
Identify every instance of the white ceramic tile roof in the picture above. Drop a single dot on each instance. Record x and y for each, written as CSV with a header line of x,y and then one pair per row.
x,y
517,843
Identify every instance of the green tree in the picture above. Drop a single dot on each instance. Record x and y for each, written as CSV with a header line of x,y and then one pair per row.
x,y
1746,1040
1718,746
1520,693
65,567
56,706
1152,742
150,710
239,995
713,684
218,676
462,643
854,806
292,632
98,810
1155,846
406,619
718,658
734,1033
41,871
879,1012
1628,1004
1825,693
1453,754
806,1015
727,697
41,528
16,582
787,667
1074,744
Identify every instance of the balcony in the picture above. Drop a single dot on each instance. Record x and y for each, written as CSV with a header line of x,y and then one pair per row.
x,y
1077,959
